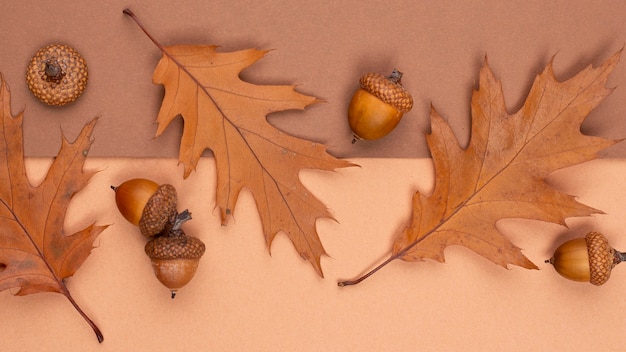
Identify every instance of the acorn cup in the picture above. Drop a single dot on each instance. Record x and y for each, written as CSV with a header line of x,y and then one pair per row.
x,y
146,204
589,259
175,256
57,74
152,207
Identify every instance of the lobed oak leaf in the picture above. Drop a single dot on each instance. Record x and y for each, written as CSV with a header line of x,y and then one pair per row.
x,y
501,174
36,255
227,115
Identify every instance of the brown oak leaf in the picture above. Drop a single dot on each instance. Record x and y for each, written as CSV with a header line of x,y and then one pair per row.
x,y
501,173
229,116
36,255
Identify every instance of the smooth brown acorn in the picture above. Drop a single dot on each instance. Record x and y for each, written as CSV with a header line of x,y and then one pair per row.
x,y
147,204
57,74
175,256
588,259
378,105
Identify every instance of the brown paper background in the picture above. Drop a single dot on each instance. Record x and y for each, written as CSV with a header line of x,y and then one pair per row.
x,y
243,299
321,46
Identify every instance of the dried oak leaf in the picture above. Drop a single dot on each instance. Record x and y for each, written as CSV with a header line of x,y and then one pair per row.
x,y
501,172
36,255
228,116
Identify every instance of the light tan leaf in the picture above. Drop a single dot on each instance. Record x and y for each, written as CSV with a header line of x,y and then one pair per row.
x,y
501,174
227,115
36,255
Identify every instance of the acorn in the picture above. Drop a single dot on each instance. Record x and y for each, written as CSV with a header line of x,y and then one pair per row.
x,y
175,256
378,105
147,204
588,259
57,74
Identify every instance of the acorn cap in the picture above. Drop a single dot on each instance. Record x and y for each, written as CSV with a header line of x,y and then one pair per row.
x,y
175,247
601,258
57,74
159,210
388,89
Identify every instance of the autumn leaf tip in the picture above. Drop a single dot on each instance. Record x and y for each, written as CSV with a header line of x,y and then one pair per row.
x,y
619,140
93,121
532,266
433,111
620,51
351,164
486,60
189,167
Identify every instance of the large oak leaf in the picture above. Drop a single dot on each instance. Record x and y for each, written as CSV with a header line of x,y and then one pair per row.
x,y
501,173
227,115
36,255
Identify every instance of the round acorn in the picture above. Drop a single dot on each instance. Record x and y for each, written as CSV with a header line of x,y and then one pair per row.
x,y
57,74
588,259
147,204
378,105
175,256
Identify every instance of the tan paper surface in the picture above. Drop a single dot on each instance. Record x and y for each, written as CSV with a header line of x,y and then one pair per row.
x,y
243,299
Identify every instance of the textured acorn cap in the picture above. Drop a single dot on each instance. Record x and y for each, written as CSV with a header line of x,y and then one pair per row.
x,y
388,90
158,211
57,74
175,247
601,258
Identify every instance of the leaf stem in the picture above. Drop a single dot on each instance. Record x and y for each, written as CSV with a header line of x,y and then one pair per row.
x,y
136,19
93,325
368,274
383,264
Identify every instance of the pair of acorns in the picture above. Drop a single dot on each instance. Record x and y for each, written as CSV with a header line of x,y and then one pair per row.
x,y
153,208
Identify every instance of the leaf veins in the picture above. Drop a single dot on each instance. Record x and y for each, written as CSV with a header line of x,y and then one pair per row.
x,y
36,255
229,116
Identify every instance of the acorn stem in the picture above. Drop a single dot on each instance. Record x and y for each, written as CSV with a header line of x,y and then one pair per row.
x,y
54,72
173,229
618,257
183,216
396,76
